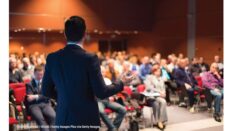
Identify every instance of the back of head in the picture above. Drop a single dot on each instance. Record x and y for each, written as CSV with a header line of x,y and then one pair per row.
x,y
75,28
39,68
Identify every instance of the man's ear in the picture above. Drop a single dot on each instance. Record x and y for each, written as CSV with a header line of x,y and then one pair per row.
x,y
64,33
84,37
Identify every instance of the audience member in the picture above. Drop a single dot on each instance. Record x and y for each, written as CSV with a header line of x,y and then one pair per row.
x,y
27,69
116,107
213,81
186,82
204,66
219,62
38,105
145,68
194,67
155,83
15,76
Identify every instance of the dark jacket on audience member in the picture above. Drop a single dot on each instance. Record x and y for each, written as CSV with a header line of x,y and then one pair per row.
x,y
195,69
73,77
181,77
16,77
204,67
33,89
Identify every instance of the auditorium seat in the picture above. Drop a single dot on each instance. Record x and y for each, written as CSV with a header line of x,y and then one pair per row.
x,y
141,88
27,81
12,123
199,94
19,93
16,85
127,90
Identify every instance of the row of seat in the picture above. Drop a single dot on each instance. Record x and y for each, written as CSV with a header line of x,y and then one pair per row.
x,y
18,93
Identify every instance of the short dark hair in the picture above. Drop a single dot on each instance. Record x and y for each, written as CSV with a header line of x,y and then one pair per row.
x,y
75,28
39,68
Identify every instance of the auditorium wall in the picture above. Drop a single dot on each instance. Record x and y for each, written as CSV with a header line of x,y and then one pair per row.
x,y
168,34
209,29
162,25
23,45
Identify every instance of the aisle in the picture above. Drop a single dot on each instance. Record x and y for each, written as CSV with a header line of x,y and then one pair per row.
x,y
181,120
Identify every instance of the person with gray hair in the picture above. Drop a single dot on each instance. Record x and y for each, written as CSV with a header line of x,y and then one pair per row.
x,y
15,75
28,69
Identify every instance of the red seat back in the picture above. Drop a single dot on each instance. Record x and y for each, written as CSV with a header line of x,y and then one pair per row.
x,y
12,121
199,81
127,90
16,85
27,80
141,88
19,93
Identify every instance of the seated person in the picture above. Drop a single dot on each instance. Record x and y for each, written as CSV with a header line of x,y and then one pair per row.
x,y
213,81
105,103
217,60
186,82
126,68
111,72
195,68
170,84
15,76
204,66
39,106
145,68
27,69
134,64
155,83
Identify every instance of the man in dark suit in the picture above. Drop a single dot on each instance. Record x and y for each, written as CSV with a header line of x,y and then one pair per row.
x,y
186,82
38,105
73,77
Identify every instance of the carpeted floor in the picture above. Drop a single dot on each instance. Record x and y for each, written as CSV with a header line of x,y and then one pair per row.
x,y
180,119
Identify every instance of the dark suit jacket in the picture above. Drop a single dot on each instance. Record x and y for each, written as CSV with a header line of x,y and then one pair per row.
x,y
32,89
181,77
73,77
15,78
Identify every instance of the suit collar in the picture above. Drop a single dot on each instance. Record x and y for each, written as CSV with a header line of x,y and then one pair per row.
x,y
33,82
73,46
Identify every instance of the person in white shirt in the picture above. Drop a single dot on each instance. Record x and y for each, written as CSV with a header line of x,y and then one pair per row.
x,y
218,61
